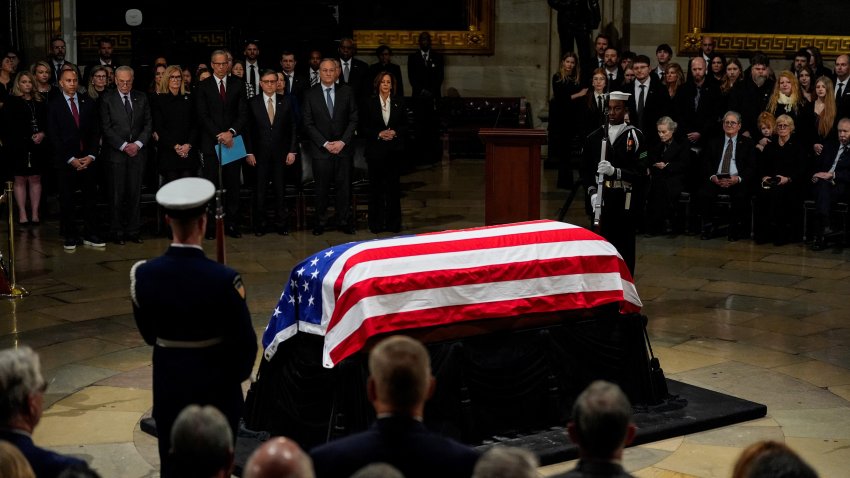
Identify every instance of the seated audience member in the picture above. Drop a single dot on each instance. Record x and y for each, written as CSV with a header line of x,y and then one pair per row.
x,y
780,168
12,462
829,182
22,388
506,462
727,166
201,444
770,459
669,161
378,470
78,471
279,457
601,425
399,384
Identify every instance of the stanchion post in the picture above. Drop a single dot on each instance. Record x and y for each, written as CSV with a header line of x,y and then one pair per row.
x,y
13,290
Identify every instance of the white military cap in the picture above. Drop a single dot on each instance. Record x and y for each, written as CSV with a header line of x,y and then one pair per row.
x,y
185,197
619,96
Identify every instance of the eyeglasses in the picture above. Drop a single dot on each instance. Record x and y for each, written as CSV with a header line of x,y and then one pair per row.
x,y
175,77
100,77
730,123
783,126
268,82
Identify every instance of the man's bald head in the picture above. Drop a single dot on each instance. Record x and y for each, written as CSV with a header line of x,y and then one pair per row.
x,y
279,457
400,370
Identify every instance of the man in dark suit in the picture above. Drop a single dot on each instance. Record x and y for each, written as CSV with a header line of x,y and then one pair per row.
x,y
757,90
222,110
253,67
72,129
648,100
425,70
354,72
56,58
830,181
616,77
399,384
330,118
104,58
125,119
277,457
601,425
296,83
23,389
728,168
385,63
192,310
697,104
271,146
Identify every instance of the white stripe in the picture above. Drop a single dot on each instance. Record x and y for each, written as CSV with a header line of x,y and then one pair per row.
x,y
496,256
373,306
278,338
328,299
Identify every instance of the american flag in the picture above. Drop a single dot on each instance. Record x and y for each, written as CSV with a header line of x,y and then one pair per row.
x,y
350,292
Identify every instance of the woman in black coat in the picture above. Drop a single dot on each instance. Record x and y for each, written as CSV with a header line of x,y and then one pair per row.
x,y
26,151
565,137
385,127
175,128
669,161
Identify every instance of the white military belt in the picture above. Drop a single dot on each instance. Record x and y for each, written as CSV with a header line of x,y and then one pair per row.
x,y
188,344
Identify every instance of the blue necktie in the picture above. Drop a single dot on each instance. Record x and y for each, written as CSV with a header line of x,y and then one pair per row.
x,y
330,101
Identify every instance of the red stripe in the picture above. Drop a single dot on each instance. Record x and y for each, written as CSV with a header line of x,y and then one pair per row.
x,y
477,275
460,245
470,312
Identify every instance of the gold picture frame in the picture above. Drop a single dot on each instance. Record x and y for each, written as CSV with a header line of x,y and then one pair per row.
x,y
692,27
477,39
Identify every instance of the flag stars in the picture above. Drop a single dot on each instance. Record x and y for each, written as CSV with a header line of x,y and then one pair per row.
x,y
299,298
314,274
277,311
305,286
293,284
329,253
291,299
311,301
300,272
314,262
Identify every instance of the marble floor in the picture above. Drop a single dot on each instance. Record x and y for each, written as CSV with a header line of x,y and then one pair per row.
x,y
764,323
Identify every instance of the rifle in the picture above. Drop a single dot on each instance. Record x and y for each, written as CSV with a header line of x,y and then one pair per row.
x,y
219,215
600,178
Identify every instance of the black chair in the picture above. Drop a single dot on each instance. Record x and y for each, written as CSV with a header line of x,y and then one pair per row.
x,y
838,220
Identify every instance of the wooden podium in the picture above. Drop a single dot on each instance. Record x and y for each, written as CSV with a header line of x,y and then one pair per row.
x,y
513,164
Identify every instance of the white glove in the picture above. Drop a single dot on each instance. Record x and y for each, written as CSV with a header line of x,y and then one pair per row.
x,y
605,168
593,198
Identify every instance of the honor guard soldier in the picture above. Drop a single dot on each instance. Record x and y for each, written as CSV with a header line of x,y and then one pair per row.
x,y
615,177
193,311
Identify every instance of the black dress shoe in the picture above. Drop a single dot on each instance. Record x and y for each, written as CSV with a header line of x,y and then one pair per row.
x,y
283,230
318,230
135,239
233,232
119,240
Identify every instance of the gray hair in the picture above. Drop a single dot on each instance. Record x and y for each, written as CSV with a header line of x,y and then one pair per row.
x,y
124,68
201,441
601,415
735,114
506,462
20,377
668,122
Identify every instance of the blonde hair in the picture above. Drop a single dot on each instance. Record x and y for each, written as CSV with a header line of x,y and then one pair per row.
x,y
795,92
13,464
829,113
163,82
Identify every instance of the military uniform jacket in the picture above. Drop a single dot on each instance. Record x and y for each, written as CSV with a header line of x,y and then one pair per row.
x,y
183,296
632,161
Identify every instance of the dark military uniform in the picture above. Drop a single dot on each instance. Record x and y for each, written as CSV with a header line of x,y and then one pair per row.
x,y
629,157
193,311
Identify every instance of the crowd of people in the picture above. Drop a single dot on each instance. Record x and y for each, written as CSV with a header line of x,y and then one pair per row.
x,y
760,141
201,440
112,132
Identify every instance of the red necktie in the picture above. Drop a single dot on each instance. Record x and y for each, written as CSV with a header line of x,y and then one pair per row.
x,y
74,111
221,90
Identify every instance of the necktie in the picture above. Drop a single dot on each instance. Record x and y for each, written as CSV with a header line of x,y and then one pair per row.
x,y
696,99
289,84
641,100
425,56
221,91
74,111
345,72
270,109
330,101
253,78
127,108
314,78
840,90
599,102
726,164
610,79
841,151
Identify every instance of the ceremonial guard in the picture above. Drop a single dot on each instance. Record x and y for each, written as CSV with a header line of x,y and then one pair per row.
x,y
613,178
193,311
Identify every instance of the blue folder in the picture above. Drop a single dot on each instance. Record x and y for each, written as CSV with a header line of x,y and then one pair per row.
x,y
234,153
